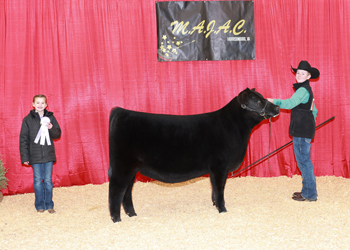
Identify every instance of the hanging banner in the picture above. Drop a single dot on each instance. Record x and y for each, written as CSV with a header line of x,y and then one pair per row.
x,y
209,30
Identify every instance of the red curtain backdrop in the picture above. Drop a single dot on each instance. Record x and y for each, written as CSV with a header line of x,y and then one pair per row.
x,y
88,56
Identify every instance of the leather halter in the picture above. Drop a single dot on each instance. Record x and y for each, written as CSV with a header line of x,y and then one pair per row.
x,y
261,112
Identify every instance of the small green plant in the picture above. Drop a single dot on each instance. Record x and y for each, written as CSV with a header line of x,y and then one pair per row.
x,y
3,179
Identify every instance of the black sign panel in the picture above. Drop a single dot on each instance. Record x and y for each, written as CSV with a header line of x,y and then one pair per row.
x,y
206,30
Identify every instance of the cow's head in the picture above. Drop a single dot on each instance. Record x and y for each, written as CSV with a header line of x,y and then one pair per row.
x,y
253,101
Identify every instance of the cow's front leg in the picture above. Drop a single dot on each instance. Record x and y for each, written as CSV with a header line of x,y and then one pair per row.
x,y
218,181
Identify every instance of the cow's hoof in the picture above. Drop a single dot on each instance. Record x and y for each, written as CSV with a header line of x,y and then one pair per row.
x,y
222,210
116,219
132,214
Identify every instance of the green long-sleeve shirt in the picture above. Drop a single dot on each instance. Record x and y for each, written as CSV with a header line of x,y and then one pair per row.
x,y
300,96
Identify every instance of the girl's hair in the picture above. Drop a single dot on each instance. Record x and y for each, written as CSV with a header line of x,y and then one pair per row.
x,y
40,96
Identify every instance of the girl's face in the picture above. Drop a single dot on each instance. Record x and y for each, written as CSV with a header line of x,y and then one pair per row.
x,y
39,104
302,75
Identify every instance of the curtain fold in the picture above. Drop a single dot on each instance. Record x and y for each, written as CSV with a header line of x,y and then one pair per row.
x,y
88,56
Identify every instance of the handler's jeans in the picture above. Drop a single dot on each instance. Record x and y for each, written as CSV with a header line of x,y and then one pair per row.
x,y
302,148
43,185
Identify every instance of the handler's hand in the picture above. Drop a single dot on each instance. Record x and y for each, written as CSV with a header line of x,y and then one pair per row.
x,y
50,125
26,163
269,99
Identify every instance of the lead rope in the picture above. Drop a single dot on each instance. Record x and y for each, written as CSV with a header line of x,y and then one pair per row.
x,y
268,158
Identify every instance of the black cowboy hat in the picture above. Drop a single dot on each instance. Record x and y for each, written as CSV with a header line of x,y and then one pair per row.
x,y
304,65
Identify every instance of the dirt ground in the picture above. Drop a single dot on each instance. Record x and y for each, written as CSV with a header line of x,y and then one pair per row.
x,y
261,215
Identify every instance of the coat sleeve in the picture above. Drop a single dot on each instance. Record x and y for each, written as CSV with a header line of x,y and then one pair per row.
x,y
24,142
55,131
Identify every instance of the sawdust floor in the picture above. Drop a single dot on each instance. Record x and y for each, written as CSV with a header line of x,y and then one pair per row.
x,y
261,215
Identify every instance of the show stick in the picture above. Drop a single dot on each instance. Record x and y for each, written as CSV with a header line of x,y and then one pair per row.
x,y
273,152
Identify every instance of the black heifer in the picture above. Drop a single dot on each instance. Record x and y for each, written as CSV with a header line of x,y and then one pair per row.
x,y
174,148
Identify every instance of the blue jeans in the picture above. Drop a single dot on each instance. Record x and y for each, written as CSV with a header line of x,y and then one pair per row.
x,y
43,185
302,148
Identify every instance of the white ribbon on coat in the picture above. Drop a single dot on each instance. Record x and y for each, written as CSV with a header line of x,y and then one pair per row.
x,y
43,132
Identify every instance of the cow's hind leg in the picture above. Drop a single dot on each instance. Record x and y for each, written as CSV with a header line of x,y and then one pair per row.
x,y
127,200
115,199
218,181
118,185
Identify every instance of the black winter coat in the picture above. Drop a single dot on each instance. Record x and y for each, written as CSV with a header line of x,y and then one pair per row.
x,y
34,152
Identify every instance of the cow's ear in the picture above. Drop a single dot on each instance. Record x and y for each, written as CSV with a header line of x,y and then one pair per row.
x,y
243,96
253,89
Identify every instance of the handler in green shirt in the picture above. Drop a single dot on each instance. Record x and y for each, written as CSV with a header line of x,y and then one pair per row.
x,y
302,127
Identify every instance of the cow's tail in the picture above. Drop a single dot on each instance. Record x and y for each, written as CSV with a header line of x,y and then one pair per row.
x,y
113,116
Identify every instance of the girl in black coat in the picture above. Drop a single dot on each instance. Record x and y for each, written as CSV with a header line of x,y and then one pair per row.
x,y
40,153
